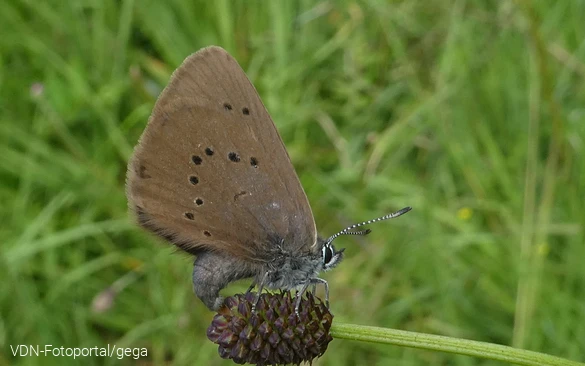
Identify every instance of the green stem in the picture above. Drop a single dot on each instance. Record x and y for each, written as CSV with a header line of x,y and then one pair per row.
x,y
447,344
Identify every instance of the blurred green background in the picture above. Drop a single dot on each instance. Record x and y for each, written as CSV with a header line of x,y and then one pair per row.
x,y
471,112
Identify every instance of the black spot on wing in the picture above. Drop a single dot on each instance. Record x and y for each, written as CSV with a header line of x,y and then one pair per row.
x,y
238,195
254,162
234,157
147,222
142,172
196,159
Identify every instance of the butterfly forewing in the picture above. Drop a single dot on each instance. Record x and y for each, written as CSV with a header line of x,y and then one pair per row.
x,y
211,172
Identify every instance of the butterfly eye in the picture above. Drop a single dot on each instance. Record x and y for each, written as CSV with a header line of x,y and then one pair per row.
x,y
327,254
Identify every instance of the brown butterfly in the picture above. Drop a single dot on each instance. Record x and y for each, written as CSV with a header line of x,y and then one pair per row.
x,y
211,175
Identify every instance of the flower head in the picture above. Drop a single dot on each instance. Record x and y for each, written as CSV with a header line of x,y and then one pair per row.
x,y
272,334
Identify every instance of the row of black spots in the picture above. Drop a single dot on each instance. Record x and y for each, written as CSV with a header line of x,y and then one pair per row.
x,y
194,180
198,160
198,201
191,217
228,107
234,157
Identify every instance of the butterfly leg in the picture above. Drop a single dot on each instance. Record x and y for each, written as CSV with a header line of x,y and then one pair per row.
x,y
315,281
251,287
299,297
260,288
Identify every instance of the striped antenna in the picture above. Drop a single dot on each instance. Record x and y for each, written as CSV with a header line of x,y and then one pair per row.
x,y
359,232
347,231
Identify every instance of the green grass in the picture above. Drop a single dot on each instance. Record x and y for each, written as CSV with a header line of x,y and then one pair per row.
x,y
470,112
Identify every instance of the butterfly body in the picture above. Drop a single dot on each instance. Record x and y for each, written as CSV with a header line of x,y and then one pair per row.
x,y
285,270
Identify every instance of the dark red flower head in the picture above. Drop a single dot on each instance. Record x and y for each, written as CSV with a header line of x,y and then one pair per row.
x,y
272,334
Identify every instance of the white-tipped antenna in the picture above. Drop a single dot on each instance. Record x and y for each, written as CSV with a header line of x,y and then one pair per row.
x,y
367,231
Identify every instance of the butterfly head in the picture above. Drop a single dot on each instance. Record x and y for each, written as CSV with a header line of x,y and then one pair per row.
x,y
330,257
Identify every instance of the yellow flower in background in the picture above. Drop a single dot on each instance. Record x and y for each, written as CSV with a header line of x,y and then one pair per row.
x,y
464,213
543,249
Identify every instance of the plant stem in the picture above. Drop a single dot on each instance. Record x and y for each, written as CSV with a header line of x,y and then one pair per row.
x,y
447,344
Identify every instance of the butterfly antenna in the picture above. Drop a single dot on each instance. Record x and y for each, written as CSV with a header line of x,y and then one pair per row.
x,y
347,231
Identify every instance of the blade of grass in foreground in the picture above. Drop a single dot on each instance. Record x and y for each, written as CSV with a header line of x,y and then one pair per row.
x,y
447,344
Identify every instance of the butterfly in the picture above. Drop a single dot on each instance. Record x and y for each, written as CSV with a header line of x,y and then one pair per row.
x,y
212,176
